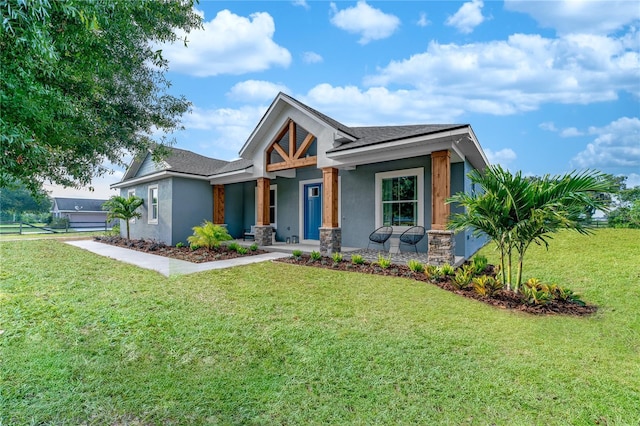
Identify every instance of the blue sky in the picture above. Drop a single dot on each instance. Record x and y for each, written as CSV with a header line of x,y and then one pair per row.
x,y
548,86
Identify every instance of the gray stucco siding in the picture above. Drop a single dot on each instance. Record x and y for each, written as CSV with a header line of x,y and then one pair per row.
x,y
142,228
458,185
358,199
472,243
234,209
192,204
148,166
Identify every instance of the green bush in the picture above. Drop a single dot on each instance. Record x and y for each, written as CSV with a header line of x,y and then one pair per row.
x,y
59,223
242,250
415,266
463,277
433,272
383,262
296,254
209,235
357,259
233,247
253,247
486,285
447,270
315,255
479,263
180,244
337,257
536,292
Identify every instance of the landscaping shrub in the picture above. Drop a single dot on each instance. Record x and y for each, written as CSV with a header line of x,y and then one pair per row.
x,y
209,235
415,266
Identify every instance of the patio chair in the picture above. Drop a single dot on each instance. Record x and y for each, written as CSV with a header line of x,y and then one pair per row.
x,y
412,236
249,233
380,236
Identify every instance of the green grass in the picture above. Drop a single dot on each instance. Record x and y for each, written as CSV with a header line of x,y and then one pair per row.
x,y
30,235
88,340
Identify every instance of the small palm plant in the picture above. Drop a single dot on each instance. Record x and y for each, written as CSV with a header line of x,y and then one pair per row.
x,y
208,235
515,211
123,208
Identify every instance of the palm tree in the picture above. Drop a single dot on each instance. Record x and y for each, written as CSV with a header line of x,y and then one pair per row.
x,y
515,211
123,208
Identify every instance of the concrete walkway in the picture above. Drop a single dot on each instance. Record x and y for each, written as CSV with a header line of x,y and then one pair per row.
x,y
165,265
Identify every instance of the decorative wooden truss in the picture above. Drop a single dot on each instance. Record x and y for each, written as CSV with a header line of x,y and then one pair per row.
x,y
288,150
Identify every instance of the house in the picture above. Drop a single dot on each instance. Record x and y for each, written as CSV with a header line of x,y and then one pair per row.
x,y
303,174
80,212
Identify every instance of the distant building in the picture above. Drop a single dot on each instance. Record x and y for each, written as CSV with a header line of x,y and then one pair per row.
x,y
80,211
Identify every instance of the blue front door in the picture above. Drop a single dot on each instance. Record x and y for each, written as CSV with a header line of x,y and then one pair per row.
x,y
312,211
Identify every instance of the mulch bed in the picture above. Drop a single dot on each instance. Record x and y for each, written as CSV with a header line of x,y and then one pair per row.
x,y
183,253
504,299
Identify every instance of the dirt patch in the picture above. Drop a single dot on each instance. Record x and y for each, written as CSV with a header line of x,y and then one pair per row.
x,y
504,299
199,255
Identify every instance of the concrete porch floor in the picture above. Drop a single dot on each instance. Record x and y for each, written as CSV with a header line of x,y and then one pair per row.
x,y
370,255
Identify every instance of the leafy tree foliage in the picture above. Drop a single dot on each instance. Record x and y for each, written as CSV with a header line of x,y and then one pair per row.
x,y
81,83
626,213
515,211
16,199
123,208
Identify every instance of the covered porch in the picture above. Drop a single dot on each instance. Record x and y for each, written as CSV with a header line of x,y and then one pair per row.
x,y
368,254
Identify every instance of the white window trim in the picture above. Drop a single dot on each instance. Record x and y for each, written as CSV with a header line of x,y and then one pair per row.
x,y
131,192
419,173
273,187
301,185
151,220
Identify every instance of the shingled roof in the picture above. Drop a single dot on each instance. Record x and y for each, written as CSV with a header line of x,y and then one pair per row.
x,y
183,161
366,136
77,204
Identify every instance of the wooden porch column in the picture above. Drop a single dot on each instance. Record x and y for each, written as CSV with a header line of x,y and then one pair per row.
x,y
440,189
330,197
263,202
218,204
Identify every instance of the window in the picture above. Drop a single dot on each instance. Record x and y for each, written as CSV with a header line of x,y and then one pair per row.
x,y
399,198
153,204
130,193
272,206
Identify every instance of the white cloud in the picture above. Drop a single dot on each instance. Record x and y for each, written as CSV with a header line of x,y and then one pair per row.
x,y
617,145
311,58
228,44
570,132
505,157
100,186
423,21
370,23
221,132
356,107
256,90
302,3
571,16
633,180
467,17
549,126
520,73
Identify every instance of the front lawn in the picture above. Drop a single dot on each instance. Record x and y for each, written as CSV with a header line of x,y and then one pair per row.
x,y
86,339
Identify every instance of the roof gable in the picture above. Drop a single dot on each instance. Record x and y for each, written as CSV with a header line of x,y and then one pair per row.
x,y
177,161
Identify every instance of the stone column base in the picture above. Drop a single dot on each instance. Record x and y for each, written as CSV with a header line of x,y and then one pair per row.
x,y
263,235
442,246
330,240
